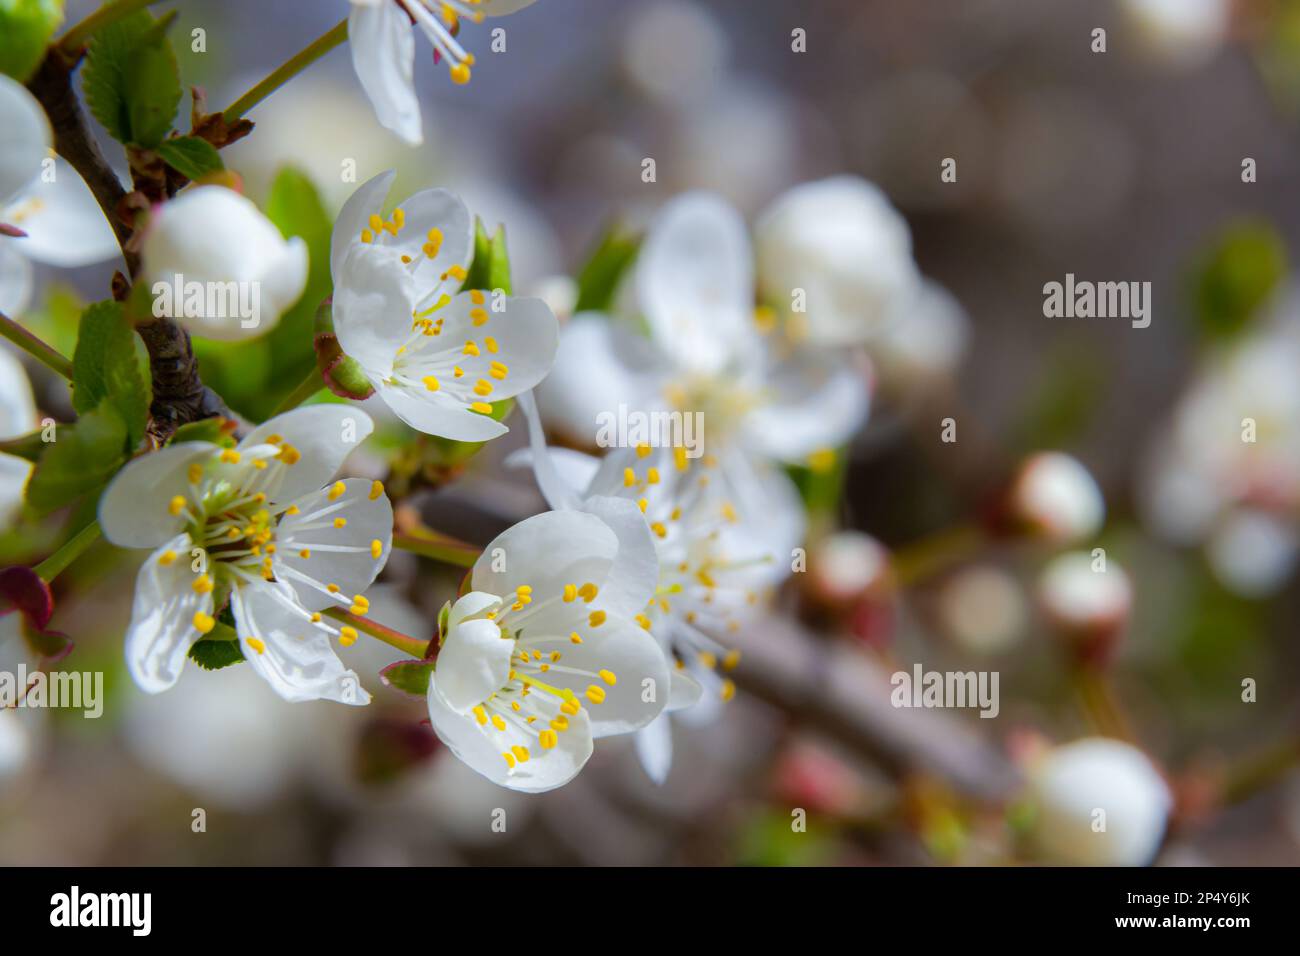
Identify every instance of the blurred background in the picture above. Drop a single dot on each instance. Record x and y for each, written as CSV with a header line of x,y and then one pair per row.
x,y
1125,165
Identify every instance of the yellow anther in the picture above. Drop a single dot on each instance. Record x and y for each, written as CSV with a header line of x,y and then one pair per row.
x,y
547,739
728,689
471,348
560,723
257,644
194,473
305,553
292,510
570,592
332,588
431,383
337,490
480,714
708,659
460,74
456,272
491,344
521,753
347,636
588,592
571,707
729,511
376,223
202,584
596,694
367,236
230,456
731,659
399,217
643,621
203,622
478,316
652,476
629,477
483,408
642,450
510,760
376,548
596,618
498,371
642,503
315,617
477,297
457,371
822,460
658,528
376,489
575,638
167,557
483,387
679,458
608,677
498,722
176,505
289,455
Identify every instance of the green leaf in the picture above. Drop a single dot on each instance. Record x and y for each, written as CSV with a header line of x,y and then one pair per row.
x,y
212,654
490,269
191,156
81,458
410,677
107,366
1236,276
25,28
131,80
598,281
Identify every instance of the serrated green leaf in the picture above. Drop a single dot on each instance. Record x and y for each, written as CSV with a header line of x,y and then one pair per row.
x,y
599,279
25,28
107,366
214,654
131,80
490,268
81,458
191,156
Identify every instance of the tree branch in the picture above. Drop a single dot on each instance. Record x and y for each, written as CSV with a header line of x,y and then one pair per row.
x,y
179,395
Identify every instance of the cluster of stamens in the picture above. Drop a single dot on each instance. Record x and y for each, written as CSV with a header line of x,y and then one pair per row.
x,y
440,22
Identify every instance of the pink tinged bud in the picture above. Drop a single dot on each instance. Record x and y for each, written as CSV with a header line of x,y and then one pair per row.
x,y
1088,600
1053,497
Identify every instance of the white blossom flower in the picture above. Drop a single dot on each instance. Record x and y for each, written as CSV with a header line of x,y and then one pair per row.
x,y
381,34
214,236
254,525
439,358
715,570
44,197
1073,785
841,242
758,400
17,417
543,653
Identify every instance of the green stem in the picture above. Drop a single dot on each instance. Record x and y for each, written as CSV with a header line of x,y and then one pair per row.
x,y
403,642
33,346
438,547
75,39
918,561
304,390
291,67
51,567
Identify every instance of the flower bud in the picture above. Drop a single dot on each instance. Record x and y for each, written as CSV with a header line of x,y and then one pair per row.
x,y
1098,802
219,267
846,565
841,242
1054,497
982,609
1088,599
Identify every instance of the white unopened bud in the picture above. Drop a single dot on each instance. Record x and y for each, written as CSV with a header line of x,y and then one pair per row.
x,y
1088,600
1098,802
219,267
1054,496
846,565
982,608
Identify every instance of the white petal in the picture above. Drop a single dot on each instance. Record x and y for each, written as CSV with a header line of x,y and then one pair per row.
x,y
500,8
64,223
637,662
17,406
367,200
685,690
772,521
546,552
134,510
598,366
352,568
26,141
374,296
446,418
16,280
815,403
295,656
546,770
654,748
383,55
562,474
632,577
324,434
433,209
473,664
14,473
162,617
695,282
